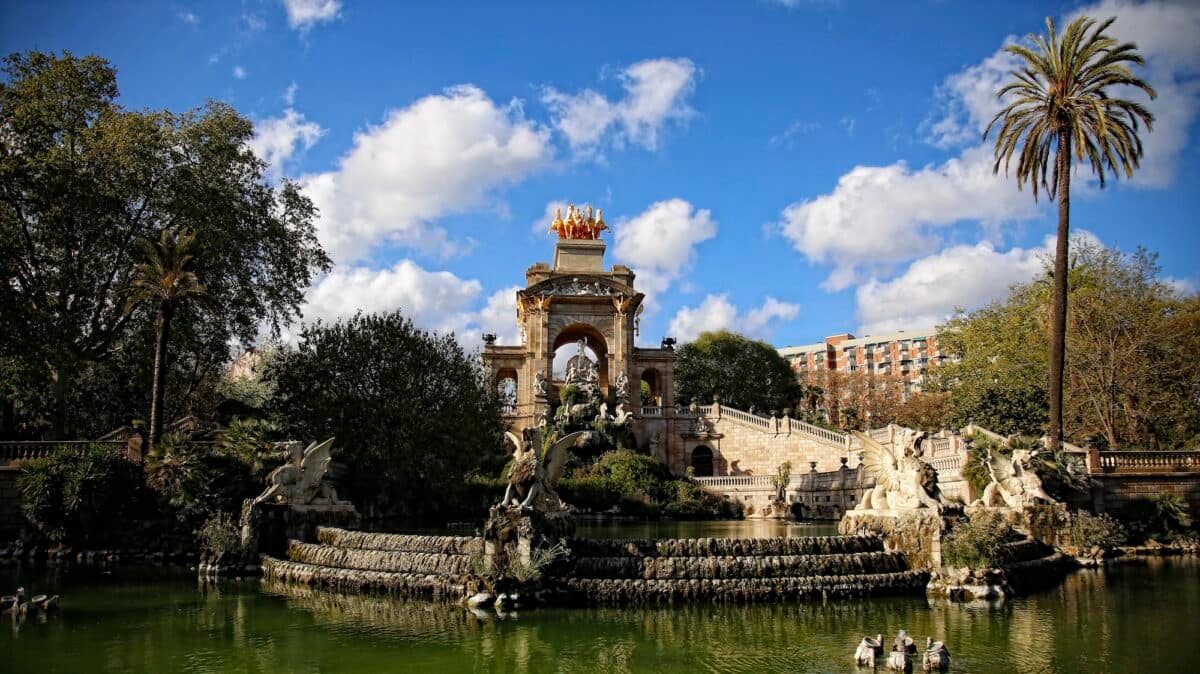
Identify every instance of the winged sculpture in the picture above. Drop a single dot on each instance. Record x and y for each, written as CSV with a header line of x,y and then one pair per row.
x,y
532,479
1014,483
903,481
300,481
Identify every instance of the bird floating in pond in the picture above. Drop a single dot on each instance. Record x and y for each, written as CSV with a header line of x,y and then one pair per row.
x,y
903,648
868,648
936,656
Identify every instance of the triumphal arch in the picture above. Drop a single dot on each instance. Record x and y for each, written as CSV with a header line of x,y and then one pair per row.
x,y
572,301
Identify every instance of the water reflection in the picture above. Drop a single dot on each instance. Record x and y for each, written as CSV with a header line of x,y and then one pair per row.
x,y
1128,618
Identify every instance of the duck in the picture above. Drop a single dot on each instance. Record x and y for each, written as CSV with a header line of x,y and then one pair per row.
x,y
936,656
903,648
8,602
868,649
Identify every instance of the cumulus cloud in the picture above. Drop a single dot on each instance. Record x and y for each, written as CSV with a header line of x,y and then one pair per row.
x,y
656,92
434,300
278,139
443,154
304,14
239,73
716,312
929,291
659,243
967,101
881,215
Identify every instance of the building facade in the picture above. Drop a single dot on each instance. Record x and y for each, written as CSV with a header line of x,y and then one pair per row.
x,y
909,354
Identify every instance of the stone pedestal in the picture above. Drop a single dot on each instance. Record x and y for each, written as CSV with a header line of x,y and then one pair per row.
x,y
512,534
917,533
267,527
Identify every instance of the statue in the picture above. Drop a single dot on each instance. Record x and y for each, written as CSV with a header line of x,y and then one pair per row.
x,y
622,386
902,482
1014,483
300,480
558,227
578,224
532,479
540,386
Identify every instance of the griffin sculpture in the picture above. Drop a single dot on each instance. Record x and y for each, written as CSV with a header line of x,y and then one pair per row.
x,y
532,479
300,480
902,480
1014,483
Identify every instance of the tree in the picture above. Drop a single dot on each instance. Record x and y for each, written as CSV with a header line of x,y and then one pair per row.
x,y
743,372
166,281
411,411
82,179
1132,378
1059,103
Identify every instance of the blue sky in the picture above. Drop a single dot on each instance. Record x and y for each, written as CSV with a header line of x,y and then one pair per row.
x,y
786,169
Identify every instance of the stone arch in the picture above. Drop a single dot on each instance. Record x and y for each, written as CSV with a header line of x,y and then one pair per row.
x,y
507,386
596,341
652,391
701,461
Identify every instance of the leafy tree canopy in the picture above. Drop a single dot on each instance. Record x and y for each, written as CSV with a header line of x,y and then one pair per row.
x,y
82,179
741,371
410,410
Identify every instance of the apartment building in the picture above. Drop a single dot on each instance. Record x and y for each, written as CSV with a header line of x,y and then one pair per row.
x,y
908,353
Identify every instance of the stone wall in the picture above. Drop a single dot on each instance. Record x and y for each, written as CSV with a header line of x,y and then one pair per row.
x,y
10,503
1110,492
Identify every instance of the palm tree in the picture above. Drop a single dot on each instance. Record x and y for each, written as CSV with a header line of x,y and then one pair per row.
x,y
1059,103
164,279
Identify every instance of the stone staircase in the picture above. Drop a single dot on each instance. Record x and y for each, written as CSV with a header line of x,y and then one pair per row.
x,y
610,571
724,569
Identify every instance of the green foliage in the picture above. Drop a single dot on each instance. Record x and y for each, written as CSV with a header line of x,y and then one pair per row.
x,y
81,496
84,179
251,442
1160,517
978,542
220,535
411,412
638,485
744,373
195,481
1087,531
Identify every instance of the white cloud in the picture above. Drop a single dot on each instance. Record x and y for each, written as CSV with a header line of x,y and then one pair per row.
x,y
716,312
189,18
304,14
656,92
880,215
239,73
277,139
443,154
289,94
659,243
967,101
1181,286
929,291
795,129
499,317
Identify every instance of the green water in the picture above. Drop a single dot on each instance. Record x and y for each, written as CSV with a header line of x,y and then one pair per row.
x,y
1135,617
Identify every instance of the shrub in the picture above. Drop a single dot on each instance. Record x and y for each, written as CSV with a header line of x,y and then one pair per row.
x,y
81,497
197,481
978,542
1160,517
1086,531
220,535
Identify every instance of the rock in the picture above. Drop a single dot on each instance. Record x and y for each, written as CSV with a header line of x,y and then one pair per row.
x,y
481,600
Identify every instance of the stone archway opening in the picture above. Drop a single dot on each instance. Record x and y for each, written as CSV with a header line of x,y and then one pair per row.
x,y
566,346
651,387
506,390
702,461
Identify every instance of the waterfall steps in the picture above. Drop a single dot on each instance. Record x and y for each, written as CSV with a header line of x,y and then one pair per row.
x,y
605,571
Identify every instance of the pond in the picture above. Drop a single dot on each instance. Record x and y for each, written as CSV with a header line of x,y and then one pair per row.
x,y
1136,616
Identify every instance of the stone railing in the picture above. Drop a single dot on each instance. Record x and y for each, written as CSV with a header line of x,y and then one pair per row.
x,y
736,481
1150,462
652,411
836,437
880,434
22,450
948,464
746,418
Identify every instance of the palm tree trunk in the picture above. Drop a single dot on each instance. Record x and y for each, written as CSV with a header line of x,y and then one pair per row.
x,y
158,384
1058,339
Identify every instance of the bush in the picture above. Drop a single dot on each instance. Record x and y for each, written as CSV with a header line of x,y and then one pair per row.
x,y
1088,531
978,542
1160,517
220,535
196,481
81,497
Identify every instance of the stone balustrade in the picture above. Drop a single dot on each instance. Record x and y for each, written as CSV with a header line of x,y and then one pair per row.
x,y
23,450
1149,462
652,411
